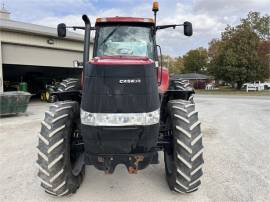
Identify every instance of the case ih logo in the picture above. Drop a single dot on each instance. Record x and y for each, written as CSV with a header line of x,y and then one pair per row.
x,y
129,81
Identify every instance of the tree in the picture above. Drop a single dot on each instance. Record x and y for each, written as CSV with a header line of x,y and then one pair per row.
x,y
214,48
236,57
175,65
264,55
195,61
214,53
260,24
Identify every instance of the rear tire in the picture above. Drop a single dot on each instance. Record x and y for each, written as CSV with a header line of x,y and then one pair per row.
x,y
69,84
184,157
180,84
183,85
55,161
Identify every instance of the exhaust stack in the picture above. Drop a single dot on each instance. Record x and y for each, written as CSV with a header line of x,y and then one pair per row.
x,y
86,39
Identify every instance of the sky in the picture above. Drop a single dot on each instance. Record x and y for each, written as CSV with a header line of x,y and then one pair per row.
x,y
209,17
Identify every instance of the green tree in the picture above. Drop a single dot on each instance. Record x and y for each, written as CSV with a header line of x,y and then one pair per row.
x,y
175,65
236,57
214,48
195,61
260,24
264,55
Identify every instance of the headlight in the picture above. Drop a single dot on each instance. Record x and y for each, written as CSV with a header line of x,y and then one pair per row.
x,y
119,119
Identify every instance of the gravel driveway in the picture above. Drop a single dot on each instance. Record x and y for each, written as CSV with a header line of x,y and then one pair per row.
x,y
237,158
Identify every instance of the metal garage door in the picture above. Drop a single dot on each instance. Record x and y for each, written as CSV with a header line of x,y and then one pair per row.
x,y
29,55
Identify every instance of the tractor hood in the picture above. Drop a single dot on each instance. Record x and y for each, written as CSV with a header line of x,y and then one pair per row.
x,y
120,85
120,106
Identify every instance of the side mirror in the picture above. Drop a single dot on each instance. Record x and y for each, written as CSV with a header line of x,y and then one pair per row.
x,y
62,30
188,31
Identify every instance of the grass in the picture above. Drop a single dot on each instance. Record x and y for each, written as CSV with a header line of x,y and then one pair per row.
x,y
230,91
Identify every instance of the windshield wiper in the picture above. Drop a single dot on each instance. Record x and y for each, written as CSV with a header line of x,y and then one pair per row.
x,y
109,35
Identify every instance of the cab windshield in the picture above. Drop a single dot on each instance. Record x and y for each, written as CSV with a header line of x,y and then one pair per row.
x,y
125,41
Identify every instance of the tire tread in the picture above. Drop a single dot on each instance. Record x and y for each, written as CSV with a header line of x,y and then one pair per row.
x,y
52,156
188,148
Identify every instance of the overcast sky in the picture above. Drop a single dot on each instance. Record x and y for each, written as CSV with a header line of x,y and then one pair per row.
x,y
209,17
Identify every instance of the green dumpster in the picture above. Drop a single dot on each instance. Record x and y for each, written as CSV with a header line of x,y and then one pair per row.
x,y
13,102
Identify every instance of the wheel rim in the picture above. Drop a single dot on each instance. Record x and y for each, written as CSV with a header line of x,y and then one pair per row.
x,y
47,95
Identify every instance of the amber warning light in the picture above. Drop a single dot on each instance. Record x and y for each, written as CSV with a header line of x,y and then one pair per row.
x,y
155,6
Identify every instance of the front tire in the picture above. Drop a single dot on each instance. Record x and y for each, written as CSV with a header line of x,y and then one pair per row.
x,y
55,155
184,157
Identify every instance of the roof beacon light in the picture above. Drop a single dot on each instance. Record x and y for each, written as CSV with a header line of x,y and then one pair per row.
x,y
155,6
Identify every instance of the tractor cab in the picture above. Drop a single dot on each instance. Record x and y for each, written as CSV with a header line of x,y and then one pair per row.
x,y
130,40
125,37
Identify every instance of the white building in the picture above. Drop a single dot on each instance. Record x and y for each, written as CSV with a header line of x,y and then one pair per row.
x,y
31,52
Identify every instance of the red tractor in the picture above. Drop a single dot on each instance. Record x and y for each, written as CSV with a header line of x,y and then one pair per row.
x,y
126,113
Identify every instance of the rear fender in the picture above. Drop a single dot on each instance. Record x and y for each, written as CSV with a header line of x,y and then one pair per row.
x,y
163,79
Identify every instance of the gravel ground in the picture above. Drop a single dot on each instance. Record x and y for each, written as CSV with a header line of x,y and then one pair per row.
x,y
237,163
